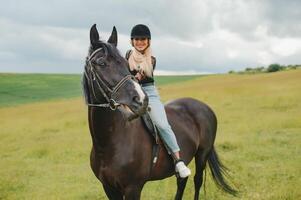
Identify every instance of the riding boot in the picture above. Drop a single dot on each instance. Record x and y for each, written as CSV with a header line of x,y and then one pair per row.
x,y
181,169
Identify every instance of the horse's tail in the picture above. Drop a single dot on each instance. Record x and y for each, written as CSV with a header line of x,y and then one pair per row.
x,y
219,171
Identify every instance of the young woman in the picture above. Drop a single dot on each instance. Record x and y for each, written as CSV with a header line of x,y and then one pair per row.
x,y
142,65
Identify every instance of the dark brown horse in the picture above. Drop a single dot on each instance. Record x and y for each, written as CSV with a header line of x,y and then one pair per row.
x,y
122,149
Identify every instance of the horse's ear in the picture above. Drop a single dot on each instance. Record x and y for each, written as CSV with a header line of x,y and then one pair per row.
x,y
94,36
113,38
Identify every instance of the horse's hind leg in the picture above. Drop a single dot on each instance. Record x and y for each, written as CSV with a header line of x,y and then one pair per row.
x,y
112,193
200,164
181,186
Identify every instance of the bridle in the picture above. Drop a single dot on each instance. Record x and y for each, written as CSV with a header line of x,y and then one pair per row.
x,y
105,90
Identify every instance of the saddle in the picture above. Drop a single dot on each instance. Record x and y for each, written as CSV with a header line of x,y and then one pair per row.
x,y
154,132
150,126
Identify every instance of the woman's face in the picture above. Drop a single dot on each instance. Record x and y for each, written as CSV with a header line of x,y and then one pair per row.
x,y
140,44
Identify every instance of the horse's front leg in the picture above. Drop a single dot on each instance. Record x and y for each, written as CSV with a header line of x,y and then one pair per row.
x,y
112,193
133,192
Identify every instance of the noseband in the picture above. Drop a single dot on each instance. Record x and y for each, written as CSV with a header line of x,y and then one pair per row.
x,y
105,90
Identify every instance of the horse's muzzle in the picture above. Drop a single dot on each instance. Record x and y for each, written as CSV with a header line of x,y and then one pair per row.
x,y
135,110
138,108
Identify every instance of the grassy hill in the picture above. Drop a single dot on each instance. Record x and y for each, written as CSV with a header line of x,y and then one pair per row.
x,y
18,89
44,147
26,88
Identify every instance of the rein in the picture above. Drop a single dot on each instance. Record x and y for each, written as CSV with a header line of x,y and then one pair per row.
x,y
103,87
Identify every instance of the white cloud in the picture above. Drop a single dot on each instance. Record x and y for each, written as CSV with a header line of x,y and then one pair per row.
x,y
232,54
264,57
286,46
64,42
208,35
186,72
194,44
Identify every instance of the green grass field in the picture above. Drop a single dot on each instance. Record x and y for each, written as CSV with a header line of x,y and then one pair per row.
x,y
16,89
44,146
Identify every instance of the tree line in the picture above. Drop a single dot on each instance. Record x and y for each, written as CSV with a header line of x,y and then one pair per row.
x,y
271,68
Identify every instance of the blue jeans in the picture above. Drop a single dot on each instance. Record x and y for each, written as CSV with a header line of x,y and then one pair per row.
x,y
159,118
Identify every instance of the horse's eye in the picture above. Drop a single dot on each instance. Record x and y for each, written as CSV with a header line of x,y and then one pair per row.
x,y
100,62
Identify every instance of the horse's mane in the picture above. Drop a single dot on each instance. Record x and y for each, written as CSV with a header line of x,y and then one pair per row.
x,y
85,87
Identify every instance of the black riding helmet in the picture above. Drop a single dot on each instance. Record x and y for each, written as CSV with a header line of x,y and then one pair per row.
x,y
140,31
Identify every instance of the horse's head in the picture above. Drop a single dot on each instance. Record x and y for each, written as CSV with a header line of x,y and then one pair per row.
x,y
107,81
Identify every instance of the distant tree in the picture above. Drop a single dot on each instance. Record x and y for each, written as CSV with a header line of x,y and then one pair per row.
x,y
274,67
283,67
271,68
261,69
292,66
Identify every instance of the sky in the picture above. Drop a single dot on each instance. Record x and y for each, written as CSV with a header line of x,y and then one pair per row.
x,y
196,36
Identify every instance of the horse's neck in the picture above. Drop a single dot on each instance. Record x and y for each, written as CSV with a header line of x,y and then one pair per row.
x,y
105,127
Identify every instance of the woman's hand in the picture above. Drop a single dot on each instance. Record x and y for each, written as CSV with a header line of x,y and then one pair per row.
x,y
139,76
